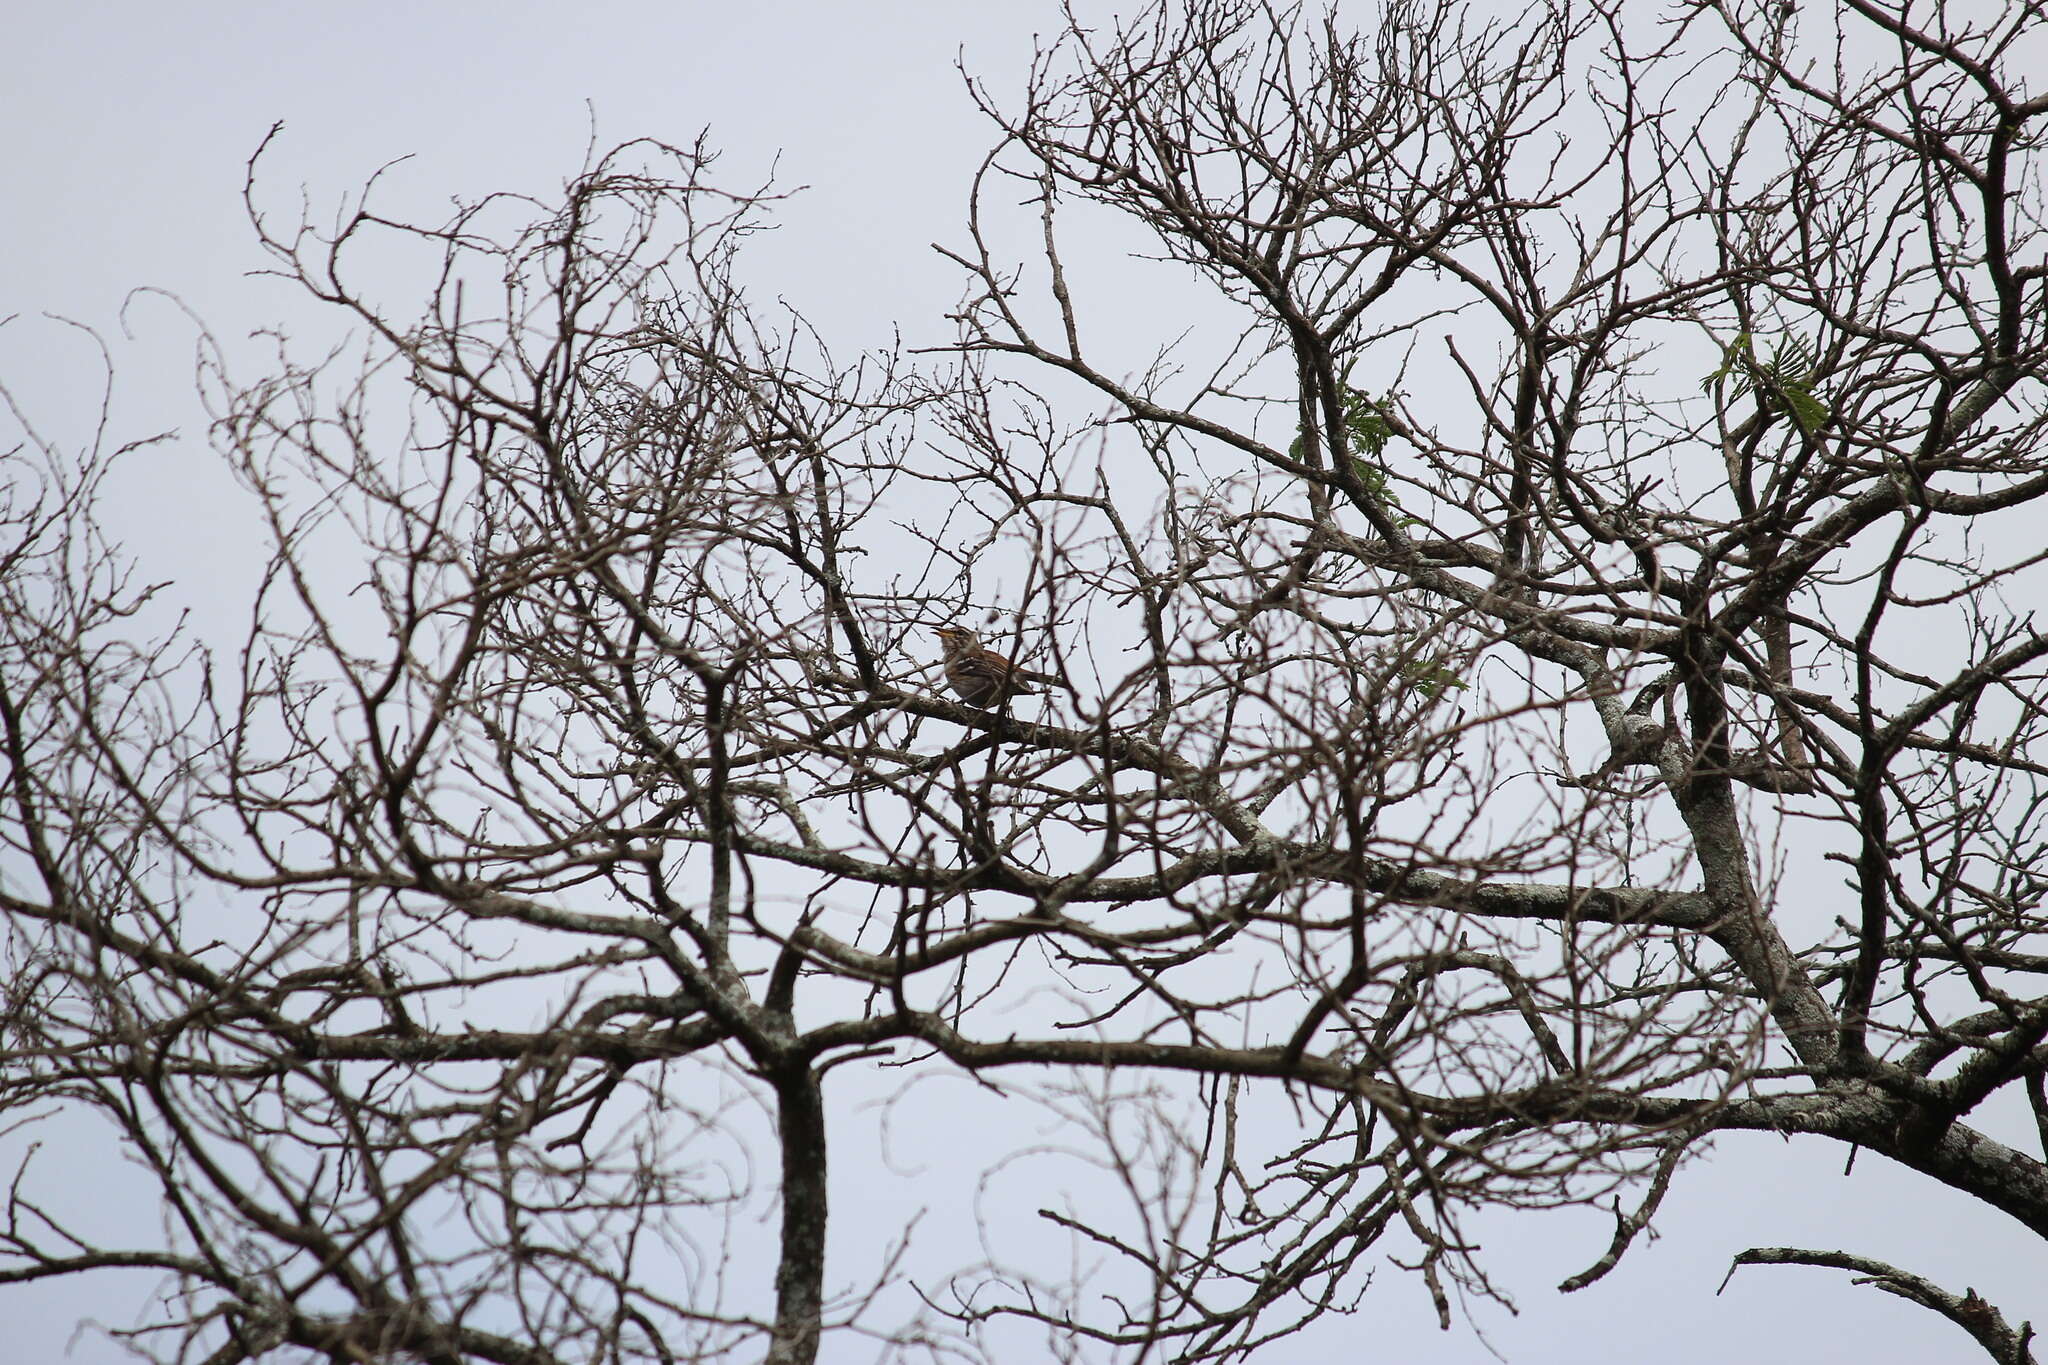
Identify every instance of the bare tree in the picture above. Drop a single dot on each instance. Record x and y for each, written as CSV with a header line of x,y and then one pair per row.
x,y
1547,680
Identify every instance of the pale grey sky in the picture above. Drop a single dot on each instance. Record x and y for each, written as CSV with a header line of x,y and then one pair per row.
x,y
129,124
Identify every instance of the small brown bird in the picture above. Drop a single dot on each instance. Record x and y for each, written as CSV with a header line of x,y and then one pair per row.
x,y
982,677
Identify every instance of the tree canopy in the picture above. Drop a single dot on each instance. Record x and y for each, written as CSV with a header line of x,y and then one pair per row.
x,y
1548,676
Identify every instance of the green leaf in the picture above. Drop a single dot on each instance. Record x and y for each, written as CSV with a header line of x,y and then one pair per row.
x,y
1784,382
1430,677
1366,431
1365,422
1735,356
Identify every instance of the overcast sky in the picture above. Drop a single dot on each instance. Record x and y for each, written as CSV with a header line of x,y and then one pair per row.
x,y
129,126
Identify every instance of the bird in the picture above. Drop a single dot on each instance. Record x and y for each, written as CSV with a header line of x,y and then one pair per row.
x,y
982,677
